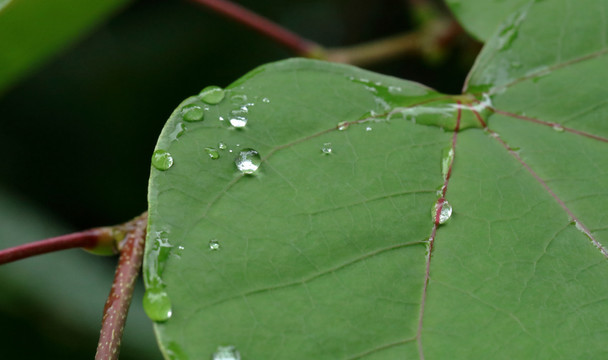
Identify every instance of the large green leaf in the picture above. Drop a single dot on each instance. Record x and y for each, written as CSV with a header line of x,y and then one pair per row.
x,y
33,30
481,18
325,255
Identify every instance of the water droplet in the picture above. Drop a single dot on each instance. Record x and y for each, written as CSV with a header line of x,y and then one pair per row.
x,y
226,353
446,161
558,127
212,94
248,161
162,160
214,244
238,117
266,100
213,153
343,125
157,304
239,99
394,90
441,216
221,145
326,148
178,131
193,112
369,128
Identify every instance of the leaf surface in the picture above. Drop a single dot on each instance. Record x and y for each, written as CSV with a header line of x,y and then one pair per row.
x,y
482,17
325,256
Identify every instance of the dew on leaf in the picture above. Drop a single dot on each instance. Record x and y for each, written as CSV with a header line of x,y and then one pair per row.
x,y
178,131
326,148
193,113
221,145
238,117
214,244
446,160
343,125
558,127
162,160
441,211
212,94
248,161
157,304
266,100
394,90
369,128
213,153
226,353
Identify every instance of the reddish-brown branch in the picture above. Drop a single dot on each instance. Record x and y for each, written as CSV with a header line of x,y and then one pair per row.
x,y
117,305
85,239
292,41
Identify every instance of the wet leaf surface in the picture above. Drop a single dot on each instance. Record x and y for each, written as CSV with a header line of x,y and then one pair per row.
x,y
320,249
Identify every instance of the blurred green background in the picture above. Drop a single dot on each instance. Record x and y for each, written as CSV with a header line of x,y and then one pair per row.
x,y
77,135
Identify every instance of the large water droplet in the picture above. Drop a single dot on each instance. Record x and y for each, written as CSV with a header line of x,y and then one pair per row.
x,y
248,161
441,212
212,94
213,153
162,159
178,131
193,112
238,117
326,148
226,353
157,304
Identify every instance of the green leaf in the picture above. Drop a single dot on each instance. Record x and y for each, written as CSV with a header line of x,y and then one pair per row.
x,y
31,31
323,252
482,17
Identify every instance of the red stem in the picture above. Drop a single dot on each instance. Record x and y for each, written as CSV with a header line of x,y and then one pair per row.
x,y
292,41
85,239
117,306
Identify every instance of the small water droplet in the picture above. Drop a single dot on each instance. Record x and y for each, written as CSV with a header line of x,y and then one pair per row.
x,y
226,353
446,160
239,99
248,161
221,118
558,127
213,153
369,128
214,244
162,160
221,145
212,94
326,148
441,216
343,125
394,90
266,100
157,304
193,112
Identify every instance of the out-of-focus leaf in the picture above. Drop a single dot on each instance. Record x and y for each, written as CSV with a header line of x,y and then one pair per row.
x,y
33,30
